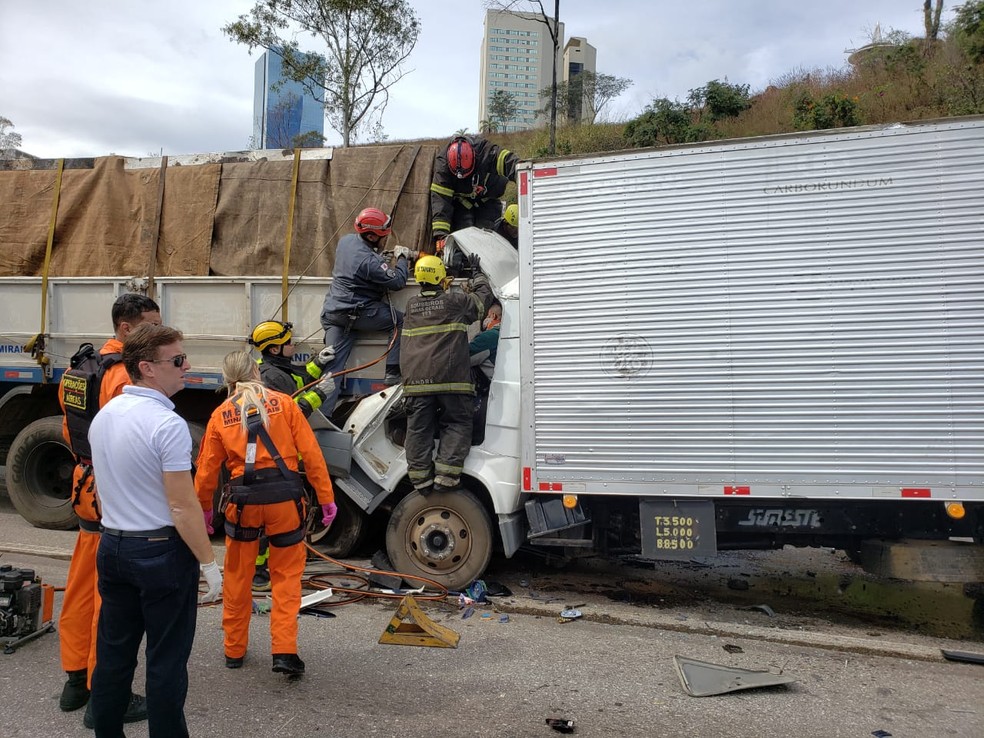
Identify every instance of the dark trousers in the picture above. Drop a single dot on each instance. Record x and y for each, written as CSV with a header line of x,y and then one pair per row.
x,y
375,317
147,586
484,215
450,415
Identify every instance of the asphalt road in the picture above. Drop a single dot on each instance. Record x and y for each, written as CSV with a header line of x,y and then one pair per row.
x,y
612,671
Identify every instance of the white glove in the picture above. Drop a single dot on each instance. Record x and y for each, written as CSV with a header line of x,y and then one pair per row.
x,y
403,251
213,578
325,356
325,387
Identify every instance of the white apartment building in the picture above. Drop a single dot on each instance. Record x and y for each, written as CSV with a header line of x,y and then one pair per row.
x,y
517,57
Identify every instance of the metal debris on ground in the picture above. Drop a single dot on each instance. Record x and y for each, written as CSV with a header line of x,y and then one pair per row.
x,y
469,611
703,679
731,648
763,608
880,733
968,657
498,589
568,615
561,725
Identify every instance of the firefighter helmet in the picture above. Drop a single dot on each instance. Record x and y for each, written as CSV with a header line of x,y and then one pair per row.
x,y
429,270
271,333
461,157
511,216
373,220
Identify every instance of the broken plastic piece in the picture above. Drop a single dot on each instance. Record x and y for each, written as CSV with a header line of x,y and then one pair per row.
x,y
561,725
503,618
316,597
731,648
880,733
570,614
469,611
476,590
702,679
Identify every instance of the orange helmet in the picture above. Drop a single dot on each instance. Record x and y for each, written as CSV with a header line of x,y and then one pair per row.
x,y
461,157
373,220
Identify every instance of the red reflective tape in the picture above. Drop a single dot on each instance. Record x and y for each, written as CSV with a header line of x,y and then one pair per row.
x,y
557,487
524,183
544,486
916,492
737,490
527,479
548,172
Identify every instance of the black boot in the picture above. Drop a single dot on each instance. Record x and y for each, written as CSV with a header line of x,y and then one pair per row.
x,y
75,693
135,712
288,663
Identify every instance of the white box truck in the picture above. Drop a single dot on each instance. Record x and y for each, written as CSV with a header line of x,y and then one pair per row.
x,y
737,344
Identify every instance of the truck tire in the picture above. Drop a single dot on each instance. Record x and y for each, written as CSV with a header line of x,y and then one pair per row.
x,y
39,475
445,536
346,532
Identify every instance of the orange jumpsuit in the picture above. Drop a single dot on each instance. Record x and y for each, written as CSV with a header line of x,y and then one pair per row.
x,y
80,605
225,443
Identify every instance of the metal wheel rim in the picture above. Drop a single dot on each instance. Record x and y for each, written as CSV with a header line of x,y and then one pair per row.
x,y
439,540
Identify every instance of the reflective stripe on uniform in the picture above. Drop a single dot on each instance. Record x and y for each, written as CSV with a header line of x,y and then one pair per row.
x,y
441,225
445,191
436,389
451,471
500,161
430,330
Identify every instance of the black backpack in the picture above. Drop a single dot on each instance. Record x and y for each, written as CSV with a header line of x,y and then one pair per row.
x,y
80,394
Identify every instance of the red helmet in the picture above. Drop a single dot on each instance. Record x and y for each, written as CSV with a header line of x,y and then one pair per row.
x,y
373,220
461,157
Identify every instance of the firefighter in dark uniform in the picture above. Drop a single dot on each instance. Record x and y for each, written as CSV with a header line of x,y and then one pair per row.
x,y
275,342
437,386
356,301
470,178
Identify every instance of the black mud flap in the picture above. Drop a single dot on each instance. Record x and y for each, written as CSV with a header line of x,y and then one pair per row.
x,y
677,529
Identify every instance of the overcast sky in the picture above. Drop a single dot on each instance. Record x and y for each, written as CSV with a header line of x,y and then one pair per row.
x,y
137,76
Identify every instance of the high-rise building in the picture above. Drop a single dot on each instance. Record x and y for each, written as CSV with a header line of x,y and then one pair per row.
x,y
579,56
281,115
518,58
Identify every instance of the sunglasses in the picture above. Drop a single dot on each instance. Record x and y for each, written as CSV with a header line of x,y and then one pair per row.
x,y
178,360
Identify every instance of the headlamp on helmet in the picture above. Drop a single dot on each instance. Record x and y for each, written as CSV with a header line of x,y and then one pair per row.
x,y
271,333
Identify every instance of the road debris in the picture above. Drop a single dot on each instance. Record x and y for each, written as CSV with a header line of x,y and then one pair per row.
x,y
561,725
703,679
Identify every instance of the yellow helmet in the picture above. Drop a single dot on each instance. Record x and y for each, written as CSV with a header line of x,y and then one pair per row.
x,y
429,270
271,333
511,216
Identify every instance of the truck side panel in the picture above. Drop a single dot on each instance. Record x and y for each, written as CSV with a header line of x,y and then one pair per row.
x,y
788,316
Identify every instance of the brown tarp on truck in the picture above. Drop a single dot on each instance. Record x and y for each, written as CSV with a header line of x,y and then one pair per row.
x,y
224,218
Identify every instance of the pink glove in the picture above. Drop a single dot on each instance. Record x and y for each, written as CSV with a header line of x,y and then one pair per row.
x,y
328,513
208,522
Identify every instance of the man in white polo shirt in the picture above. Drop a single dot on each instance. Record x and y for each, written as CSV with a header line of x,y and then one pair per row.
x,y
153,539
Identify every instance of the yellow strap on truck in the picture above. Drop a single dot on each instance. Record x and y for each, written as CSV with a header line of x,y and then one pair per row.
x,y
36,344
285,284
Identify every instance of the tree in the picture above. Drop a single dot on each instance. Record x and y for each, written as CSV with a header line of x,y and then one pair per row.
x,y
502,108
931,19
585,96
8,139
553,30
367,42
719,100
968,29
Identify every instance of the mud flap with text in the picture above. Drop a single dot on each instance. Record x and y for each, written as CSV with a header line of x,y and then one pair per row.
x,y
419,631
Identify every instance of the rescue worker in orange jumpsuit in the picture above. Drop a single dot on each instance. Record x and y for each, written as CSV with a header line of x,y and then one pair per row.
x,y
260,434
80,606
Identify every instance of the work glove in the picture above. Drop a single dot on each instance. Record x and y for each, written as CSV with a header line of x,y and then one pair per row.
x,y
403,251
325,387
475,263
213,578
328,513
210,529
325,357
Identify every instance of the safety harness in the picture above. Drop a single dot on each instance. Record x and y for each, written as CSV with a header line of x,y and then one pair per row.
x,y
264,487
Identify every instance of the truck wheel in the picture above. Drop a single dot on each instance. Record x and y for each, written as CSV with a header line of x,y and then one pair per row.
x,y
445,536
346,532
39,475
